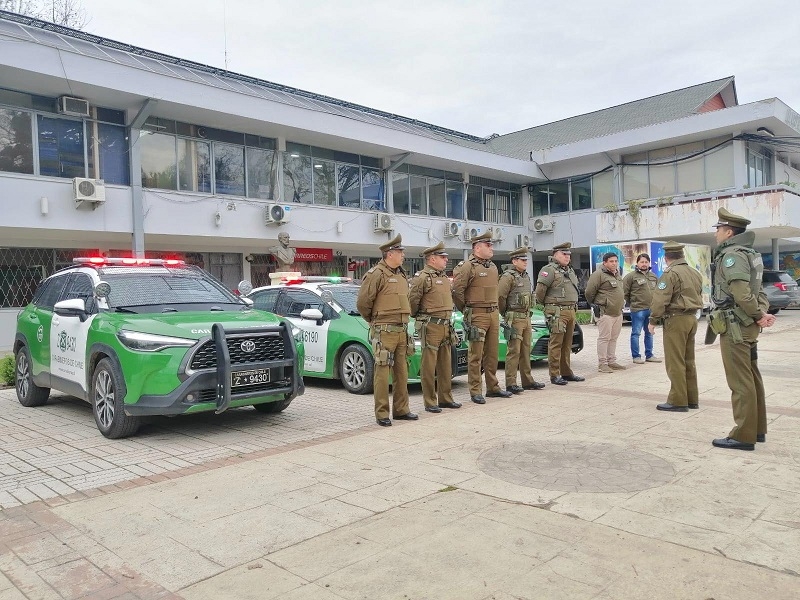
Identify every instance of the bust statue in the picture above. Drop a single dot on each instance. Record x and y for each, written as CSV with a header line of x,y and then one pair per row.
x,y
283,252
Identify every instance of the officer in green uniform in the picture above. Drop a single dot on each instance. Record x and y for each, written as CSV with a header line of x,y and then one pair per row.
x,y
677,298
740,310
431,302
515,301
475,294
383,303
557,290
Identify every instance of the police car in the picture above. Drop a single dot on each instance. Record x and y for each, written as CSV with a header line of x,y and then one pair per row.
x,y
138,337
540,338
335,337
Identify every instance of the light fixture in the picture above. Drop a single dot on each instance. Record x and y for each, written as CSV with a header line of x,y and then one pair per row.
x,y
317,166
217,218
765,131
294,155
44,205
339,226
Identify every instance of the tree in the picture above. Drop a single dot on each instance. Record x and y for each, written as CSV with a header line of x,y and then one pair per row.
x,y
69,13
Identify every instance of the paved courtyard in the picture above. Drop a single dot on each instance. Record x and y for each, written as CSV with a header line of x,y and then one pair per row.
x,y
584,491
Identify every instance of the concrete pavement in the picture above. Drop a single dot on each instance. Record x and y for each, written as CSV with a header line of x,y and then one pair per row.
x,y
584,491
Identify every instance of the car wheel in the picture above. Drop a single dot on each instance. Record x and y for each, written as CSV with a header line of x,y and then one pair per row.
x,y
28,393
107,393
271,408
774,311
356,368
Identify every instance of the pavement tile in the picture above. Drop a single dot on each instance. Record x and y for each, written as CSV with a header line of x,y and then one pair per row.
x,y
76,578
256,580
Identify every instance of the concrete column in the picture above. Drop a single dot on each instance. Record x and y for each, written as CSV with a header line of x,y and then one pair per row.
x,y
739,164
776,254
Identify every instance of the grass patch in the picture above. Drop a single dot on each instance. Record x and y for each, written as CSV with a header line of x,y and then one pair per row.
x,y
583,317
449,488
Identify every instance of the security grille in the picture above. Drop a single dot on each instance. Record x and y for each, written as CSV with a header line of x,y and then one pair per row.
x,y
21,270
267,348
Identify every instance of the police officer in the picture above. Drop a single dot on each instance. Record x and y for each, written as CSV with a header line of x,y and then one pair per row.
x,y
740,310
383,303
514,300
638,286
604,291
557,290
431,302
677,298
475,294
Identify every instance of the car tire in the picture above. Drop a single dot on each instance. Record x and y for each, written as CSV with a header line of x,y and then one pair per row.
x,y
28,393
107,400
774,311
356,369
271,408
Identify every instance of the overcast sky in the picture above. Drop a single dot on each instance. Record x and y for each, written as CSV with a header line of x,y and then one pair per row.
x,y
480,67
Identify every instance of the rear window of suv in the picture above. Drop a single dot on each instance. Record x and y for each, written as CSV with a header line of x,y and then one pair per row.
x,y
775,276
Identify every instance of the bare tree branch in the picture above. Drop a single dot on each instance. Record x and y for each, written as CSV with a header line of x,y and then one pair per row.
x,y
69,13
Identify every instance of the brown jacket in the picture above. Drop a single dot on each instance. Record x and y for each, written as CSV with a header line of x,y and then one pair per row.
x,y
638,288
605,289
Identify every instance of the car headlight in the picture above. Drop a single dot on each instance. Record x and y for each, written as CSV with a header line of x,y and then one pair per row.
x,y
150,342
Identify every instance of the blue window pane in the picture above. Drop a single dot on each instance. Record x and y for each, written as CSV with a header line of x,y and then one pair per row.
x,y
455,200
61,148
113,153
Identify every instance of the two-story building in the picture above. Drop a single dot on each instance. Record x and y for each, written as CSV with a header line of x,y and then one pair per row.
x,y
110,148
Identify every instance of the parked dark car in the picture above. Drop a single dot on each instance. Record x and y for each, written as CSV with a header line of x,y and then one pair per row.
x,y
782,291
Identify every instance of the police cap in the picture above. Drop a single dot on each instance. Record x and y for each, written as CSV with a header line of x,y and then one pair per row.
x,y
673,247
484,237
565,247
520,253
396,243
437,250
731,220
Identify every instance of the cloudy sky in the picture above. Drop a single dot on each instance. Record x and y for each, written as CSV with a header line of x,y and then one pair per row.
x,y
477,66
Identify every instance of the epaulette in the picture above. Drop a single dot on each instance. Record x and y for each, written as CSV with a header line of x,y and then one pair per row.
x,y
459,264
418,273
371,270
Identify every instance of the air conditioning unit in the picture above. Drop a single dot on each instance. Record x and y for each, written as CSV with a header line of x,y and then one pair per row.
x,y
383,222
90,192
277,213
78,107
471,232
523,241
542,226
497,234
453,229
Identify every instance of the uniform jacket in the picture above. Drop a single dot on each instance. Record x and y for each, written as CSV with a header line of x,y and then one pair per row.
x,y
557,285
475,283
638,287
431,294
514,292
605,289
679,290
383,296
737,276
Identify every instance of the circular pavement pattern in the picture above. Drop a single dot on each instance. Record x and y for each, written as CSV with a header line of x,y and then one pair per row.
x,y
575,467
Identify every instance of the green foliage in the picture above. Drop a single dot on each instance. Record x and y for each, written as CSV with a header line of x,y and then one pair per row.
x,y
7,369
583,317
665,201
611,207
788,183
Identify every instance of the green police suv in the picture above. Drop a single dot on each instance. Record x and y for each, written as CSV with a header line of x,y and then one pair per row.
x,y
139,337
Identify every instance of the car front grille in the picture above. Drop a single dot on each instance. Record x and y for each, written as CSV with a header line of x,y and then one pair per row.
x,y
265,348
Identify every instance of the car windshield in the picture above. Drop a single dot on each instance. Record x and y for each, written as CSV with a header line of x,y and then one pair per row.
x,y
344,295
159,286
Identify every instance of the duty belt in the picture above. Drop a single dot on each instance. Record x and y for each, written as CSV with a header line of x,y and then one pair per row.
x,y
434,320
682,313
482,309
389,328
570,306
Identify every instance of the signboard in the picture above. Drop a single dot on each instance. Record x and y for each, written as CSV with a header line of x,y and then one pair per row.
x,y
313,255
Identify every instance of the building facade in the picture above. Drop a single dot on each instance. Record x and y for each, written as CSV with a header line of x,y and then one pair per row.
x,y
106,148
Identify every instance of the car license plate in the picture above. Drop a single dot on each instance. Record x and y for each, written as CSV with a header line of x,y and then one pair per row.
x,y
245,378
463,359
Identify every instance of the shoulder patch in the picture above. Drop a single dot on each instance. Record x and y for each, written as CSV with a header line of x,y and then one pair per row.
x,y
729,261
544,274
371,270
662,285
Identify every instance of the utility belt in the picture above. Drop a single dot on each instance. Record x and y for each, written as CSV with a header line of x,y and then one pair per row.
x,y
389,328
482,309
729,321
512,315
434,320
681,313
562,306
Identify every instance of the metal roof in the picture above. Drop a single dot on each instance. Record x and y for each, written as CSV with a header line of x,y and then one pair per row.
x,y
632,115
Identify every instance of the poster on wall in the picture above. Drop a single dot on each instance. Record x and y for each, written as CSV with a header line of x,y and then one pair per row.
x,y
789,262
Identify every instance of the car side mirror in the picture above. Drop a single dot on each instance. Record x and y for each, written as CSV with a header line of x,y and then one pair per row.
x,y
74,307
312,314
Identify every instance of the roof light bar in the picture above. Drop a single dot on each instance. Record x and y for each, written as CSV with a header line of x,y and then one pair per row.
x,y
132,262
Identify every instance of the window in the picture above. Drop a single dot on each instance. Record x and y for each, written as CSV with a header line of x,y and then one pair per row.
x,y
372,189
297,178
194,158
454,193
51,293
419,199
159,168
108,153
690,170
759,166
80,288
474,203
635,177
349,185
261,167
265,299
16,141
400,193
61,148
581,192
228,169
300,300
603,189
516,208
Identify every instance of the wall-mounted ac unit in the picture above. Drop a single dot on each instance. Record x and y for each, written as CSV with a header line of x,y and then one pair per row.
x,y
453,229
471,232
78,107
89,192
497,234
542,225
383,222
523,241
277,214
